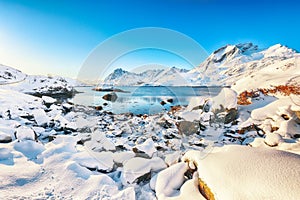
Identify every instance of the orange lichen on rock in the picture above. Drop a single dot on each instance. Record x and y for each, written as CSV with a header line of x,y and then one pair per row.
x,y
205,190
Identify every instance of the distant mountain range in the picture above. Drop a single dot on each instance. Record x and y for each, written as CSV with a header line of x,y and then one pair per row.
x,y
245,64
169,76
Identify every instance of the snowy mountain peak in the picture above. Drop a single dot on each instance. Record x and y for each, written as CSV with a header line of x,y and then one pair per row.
x,y
279,50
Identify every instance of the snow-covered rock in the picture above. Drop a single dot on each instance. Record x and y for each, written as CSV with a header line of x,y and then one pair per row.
x,y
48,100
25,133
5,138
275,173
273,139
147,147
40,117
137,167
172,158
226,99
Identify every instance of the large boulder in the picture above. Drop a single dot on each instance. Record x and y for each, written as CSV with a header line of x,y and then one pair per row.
x,y
188,128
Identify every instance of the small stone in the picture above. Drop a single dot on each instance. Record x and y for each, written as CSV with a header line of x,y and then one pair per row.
x,y
163,103
98,107
170,100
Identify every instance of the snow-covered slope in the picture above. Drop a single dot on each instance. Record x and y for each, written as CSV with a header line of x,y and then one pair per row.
x,y
245,66
14,79
10,75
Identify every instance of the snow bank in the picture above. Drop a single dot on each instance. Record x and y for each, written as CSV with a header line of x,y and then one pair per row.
x,y
240,172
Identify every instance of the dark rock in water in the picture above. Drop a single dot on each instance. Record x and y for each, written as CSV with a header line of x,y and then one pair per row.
x,y
109,90
230,116
188,128
163,103
110,97
105,104
98,107
170,100
5,138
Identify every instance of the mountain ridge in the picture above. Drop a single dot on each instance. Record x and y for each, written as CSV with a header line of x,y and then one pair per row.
x,y
225,66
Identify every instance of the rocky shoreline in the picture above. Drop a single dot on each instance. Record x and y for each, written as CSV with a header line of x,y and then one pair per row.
x,y
128,151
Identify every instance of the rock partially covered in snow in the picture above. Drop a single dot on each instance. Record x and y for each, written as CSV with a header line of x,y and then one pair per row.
x,y
25,133
147,147
226,99
48,100
40,117
172,158
122,157
273,139
102,161
137,167
99,142
5,138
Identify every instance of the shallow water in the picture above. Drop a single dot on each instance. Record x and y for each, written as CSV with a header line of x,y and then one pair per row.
x,y
143,99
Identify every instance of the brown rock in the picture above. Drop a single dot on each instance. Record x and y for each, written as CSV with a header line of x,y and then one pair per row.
x,y
110,97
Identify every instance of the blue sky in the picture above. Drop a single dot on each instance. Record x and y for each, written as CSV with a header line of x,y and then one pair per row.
x,y
56,36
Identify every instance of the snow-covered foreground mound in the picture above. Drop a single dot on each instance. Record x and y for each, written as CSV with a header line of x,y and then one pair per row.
x,y
240,172
56,170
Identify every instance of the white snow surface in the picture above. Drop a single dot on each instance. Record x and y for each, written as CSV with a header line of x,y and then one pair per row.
x,y
240,172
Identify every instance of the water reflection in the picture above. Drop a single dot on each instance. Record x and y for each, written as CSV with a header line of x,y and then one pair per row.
x,y
143,100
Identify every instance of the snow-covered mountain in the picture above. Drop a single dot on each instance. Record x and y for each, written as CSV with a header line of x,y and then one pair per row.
x,y
242,66
168,76
14,79
245,66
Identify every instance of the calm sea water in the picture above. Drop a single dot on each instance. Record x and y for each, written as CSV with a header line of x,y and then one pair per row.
x,y
143,99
